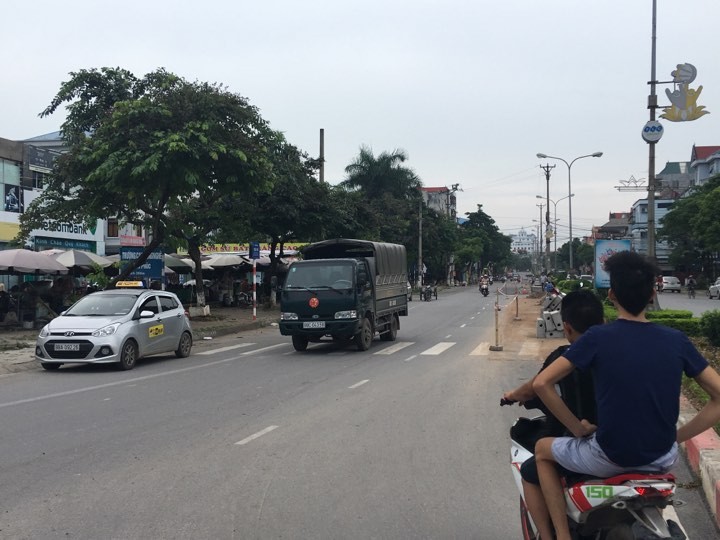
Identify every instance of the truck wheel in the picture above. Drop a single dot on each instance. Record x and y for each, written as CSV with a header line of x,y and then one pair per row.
x,y
364,338
300,343
391,334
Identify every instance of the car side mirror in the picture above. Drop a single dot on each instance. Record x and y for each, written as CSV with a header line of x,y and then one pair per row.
x,y
146,314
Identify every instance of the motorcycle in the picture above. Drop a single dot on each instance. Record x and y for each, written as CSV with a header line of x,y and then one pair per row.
x,y
484,289
428,292
624,507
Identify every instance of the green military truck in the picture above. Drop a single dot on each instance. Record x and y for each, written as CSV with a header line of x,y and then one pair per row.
x,y
345,289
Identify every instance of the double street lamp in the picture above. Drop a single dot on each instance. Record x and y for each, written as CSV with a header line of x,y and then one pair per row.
x,y
555,220
569,197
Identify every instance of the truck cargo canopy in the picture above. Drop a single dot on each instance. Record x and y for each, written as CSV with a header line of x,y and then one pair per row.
x,y
389,258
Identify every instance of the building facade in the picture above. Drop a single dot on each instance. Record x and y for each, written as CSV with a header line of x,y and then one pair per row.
x,y
524,242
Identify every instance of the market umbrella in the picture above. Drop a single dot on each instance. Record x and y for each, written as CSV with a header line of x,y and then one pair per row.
x,y
219,261
23,261
85,259
171,261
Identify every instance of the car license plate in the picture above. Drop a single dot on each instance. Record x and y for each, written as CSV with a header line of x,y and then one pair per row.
x,y
314,324
67,346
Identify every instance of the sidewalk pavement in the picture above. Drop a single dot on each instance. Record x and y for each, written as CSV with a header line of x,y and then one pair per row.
x,y
702,452
17,345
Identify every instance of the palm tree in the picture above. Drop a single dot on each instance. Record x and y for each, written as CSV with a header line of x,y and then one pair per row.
x,y
382,175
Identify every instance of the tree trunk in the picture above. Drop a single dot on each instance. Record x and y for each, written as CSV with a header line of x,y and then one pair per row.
x,y
196,256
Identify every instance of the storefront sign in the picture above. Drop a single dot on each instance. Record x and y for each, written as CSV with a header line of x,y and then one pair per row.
x,y
153,266
46,242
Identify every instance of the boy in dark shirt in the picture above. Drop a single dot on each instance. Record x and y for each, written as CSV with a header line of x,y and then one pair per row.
x,y
637,368
579,311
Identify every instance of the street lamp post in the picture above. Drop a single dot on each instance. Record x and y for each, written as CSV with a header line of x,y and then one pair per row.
x,y
569,198
555,220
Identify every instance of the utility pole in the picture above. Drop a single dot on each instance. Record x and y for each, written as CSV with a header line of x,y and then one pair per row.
x,y
547,169
540,236
420,261
322,155
652,105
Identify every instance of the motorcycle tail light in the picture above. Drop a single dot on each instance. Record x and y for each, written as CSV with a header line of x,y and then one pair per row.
x,y
653,492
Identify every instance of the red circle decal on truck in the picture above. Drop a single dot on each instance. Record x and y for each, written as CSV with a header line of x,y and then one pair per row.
x,y
314,302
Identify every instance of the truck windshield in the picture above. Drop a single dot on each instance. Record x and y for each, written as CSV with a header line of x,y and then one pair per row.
x,y
317,276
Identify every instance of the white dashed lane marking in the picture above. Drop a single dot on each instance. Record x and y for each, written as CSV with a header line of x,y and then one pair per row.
x,y
481,350
358,384
223,349
256,435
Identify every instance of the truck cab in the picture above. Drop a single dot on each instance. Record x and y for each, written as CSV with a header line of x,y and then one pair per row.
x,y
346,290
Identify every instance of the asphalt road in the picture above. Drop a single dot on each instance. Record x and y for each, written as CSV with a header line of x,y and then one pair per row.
x,y
255,440
698,305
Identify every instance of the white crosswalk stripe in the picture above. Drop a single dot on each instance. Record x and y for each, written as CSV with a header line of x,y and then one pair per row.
x,y
481,350
400,345
439,348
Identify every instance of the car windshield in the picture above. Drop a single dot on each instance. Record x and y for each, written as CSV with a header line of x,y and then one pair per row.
x,y
310,276
102,305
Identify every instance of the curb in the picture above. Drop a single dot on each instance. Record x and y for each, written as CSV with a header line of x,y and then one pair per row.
x,y
703,455
201,334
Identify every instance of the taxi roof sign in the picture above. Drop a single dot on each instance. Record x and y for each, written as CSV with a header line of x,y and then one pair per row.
x,y
138,284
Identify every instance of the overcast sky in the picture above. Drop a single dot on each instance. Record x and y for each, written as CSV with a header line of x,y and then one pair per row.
x,y
471,90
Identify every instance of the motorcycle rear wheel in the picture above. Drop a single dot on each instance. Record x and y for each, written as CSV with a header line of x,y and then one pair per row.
x,y
619,532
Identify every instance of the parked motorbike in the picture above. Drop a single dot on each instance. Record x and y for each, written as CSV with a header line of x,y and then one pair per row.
x,y
624,507
484,289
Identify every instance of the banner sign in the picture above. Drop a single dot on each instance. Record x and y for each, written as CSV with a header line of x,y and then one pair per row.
x,y
153,266
604,249
209,249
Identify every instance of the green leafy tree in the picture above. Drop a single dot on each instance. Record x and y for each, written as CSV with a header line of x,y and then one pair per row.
x,y
296,208
691,227
158,152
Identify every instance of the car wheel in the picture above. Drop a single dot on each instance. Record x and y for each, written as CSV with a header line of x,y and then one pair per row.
x,y
50,366
129,355
364,338
300,343
183,350
391,334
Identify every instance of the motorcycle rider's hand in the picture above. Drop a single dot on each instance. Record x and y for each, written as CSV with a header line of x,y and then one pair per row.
x,y
586,429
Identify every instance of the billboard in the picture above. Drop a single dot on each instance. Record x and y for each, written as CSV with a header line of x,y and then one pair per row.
x,y
153,266
604,249
14,199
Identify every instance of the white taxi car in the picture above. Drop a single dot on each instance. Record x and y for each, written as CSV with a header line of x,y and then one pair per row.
x,y
116,326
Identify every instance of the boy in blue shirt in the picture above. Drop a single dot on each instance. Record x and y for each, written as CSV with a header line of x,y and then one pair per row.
x,y
637,368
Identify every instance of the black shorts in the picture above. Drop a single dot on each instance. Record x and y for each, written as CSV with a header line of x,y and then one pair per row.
x,y
529,473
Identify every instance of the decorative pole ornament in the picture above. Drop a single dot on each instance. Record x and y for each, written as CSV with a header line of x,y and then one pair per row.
x,y
683,98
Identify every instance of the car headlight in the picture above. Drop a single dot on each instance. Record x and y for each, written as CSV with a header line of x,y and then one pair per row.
x,y
351,314
44,332
287,316
108,330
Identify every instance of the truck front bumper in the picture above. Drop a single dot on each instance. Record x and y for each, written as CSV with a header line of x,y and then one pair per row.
x,y
335,327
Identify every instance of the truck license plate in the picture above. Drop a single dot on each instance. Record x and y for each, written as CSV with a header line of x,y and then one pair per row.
x,y
67,346
314,324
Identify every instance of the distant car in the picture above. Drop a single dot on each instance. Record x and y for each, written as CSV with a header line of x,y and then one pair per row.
x,y
116,326
409,292
714,289
586,277
670,284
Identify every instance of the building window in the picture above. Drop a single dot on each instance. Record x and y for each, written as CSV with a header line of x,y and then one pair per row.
x,y
38,179
112,228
